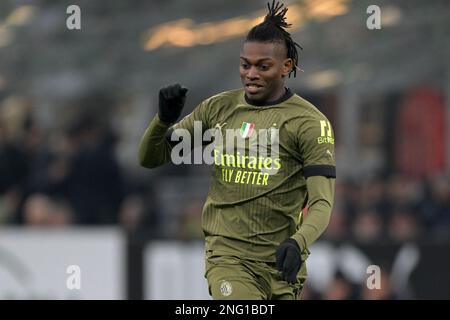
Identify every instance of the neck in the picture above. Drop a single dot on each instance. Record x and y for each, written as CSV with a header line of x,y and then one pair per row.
x,y
278,94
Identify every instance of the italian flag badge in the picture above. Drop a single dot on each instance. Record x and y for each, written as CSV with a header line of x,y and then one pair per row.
x,y
247,129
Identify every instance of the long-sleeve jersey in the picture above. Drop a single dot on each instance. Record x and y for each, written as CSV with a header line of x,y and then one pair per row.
x,y
281,161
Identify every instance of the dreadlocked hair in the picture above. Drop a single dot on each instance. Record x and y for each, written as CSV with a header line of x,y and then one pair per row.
x,y
273,29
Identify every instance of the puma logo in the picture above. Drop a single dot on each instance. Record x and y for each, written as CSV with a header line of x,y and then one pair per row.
x,y
219,126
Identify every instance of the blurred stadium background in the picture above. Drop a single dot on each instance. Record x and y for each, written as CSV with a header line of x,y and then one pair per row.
x,y
74,103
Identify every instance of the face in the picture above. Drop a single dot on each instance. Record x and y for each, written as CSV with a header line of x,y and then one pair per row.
x,y
263,67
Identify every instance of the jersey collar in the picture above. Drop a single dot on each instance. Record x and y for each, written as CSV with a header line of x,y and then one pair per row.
x,y
286,96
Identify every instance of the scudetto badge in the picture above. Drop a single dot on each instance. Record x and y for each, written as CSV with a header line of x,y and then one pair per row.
x,y
226,288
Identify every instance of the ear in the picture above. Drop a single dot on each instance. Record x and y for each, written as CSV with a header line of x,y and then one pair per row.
x,y
287,67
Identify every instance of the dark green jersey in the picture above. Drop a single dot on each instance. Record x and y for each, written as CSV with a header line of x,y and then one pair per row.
x,y
255,199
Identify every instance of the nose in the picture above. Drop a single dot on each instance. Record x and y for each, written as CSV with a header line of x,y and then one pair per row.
x,y
252,73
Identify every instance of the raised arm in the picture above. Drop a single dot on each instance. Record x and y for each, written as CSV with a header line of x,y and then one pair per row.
x,y
155,148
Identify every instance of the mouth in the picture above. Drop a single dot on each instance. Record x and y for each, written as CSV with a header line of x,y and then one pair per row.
x,y
253,88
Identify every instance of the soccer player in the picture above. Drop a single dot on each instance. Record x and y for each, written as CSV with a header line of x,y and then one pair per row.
x,y
256,237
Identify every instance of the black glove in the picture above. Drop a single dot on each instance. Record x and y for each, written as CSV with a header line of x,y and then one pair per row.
x,y
288,259
171,102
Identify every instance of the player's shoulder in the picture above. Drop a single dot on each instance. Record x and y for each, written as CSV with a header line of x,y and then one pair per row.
x,y
303,109
230,96
221,103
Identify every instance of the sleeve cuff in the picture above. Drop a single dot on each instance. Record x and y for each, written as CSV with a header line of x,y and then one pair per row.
x,y
163,123
300,241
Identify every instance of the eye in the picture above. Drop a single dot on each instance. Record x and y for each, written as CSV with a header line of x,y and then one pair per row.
x,y
264,67
244,65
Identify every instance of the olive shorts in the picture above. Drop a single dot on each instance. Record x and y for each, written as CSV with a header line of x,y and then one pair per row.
x,y
233,278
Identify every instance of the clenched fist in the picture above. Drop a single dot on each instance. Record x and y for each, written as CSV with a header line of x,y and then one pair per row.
x,y
171,102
